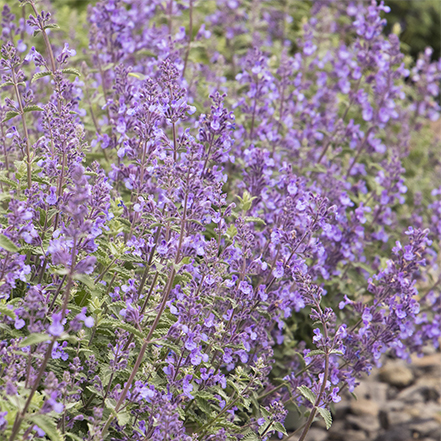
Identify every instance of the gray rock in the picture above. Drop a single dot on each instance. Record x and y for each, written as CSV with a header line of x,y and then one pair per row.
x,y
337,431
316,435
355,435
430,428
340,409
368,423
378,392
395,434
393,405
420,392
365,407
397,418
396,374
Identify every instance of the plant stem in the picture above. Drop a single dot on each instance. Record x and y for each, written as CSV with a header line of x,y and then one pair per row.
x,y
21,415
322,388
25,128
190,32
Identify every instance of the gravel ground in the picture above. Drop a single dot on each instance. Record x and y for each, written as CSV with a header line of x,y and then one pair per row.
x,y
398,402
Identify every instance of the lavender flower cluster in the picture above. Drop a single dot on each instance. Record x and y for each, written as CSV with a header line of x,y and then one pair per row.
x,y
214,212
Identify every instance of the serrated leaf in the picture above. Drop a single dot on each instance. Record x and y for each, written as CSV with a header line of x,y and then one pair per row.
x,y
32,108
279,427
326,416
232,231
39,75
123,418
86,279
6,180
74,437
250,436
115,324
307,393
34,339
9,312
8,83
52,26
71,71
7,244
315,352
48,425
335,351
9,115
131,258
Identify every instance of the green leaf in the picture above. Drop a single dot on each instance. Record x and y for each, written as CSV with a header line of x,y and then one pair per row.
x,y
326,416
8,83
21,169
52,26
6,180
32,108
279,427
123,418
115,324
39,75
250,436
74,437
34,339
71,71
137,75
254,219
9,312
7,244
9,115
48,425
335,351
232,231
315,352
307,393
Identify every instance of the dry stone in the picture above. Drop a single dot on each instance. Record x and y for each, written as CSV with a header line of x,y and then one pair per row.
x,y
396,374
365,407
365,422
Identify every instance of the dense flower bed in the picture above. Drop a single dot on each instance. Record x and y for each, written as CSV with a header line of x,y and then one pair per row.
x,y
213,212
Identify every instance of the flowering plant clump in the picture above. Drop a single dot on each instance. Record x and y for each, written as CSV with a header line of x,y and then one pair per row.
x,y
212,212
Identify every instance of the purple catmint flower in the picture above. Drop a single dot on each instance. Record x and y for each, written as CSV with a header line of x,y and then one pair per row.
x,y
52,198
187,387
278,271
86,266
3,421
56,328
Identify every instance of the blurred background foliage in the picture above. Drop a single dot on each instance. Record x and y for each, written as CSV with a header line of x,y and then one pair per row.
x,y
416,22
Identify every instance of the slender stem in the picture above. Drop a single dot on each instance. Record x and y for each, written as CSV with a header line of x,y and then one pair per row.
x,y
154,325
175,143
342,118
360,149
25,128
254,111
5,149
322,388
141,354
46,40
190,32
21,415
233,402
170,12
